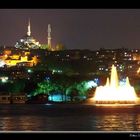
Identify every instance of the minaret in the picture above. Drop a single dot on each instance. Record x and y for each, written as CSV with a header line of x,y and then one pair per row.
x,y
29,29
49,36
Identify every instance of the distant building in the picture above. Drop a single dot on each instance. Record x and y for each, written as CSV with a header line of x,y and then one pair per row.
x,y
12,99
27,42
23,61
19,99
5,99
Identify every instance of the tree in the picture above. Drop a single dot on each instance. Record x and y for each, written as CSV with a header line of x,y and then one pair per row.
x,y
73,94
63,83
16,87
45,87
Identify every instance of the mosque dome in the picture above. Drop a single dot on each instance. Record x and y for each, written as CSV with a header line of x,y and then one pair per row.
x,y
27,41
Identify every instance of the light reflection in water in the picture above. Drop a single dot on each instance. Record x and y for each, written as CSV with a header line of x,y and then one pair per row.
x,y
69,118
118,122
20,123
115,122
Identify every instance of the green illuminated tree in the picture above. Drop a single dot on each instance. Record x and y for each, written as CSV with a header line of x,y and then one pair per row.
x,y
72,91
65,86
79,89
44,87
63,83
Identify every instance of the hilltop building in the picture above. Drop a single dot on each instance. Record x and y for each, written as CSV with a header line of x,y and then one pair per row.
x,y
27,42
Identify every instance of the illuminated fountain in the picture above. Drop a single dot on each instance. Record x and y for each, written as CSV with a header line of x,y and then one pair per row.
x,y
113,93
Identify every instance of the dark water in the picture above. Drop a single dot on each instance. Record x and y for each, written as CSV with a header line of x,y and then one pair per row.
x,y
69,118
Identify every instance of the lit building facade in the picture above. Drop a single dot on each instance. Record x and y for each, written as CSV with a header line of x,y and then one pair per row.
x,y
23,61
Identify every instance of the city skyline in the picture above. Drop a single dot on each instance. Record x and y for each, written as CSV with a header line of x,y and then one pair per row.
x,y
75,28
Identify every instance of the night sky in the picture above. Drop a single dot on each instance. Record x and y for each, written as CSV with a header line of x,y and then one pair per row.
x,y
76,29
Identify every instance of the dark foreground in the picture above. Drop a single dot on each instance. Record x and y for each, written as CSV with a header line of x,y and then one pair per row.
x,y
68,117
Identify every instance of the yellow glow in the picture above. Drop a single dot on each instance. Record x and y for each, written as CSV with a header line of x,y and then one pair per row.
x,y
114,93
134,58
138,71
25,58
8,52
14,62
15,56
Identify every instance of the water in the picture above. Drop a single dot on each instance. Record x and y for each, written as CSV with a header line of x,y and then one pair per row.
x,y
69,118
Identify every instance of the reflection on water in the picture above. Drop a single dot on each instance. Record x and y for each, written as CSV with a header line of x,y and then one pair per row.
x,y
118,122
68,118
21,123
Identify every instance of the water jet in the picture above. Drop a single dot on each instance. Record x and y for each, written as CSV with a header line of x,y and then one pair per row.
x,y
113,93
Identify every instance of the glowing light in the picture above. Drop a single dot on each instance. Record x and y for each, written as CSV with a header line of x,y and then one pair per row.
x,y
4,79
47,78
106,69
138,71
91,84
134,58
48,104
56,71
29,71
2,63
122,82
112,92
57,97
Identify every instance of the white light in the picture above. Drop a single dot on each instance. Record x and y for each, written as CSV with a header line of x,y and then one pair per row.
x,y
91,84
2,63
4,79
29,71
21,40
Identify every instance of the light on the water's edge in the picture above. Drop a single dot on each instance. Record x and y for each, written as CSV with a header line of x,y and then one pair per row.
x,y
113,93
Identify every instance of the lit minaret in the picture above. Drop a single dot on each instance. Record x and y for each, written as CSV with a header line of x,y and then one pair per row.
x,y
49,35
29,29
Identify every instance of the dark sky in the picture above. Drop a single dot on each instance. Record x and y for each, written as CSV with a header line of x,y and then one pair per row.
x,y
78,28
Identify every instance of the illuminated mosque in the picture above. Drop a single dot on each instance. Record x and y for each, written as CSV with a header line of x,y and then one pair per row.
x,y
27,42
